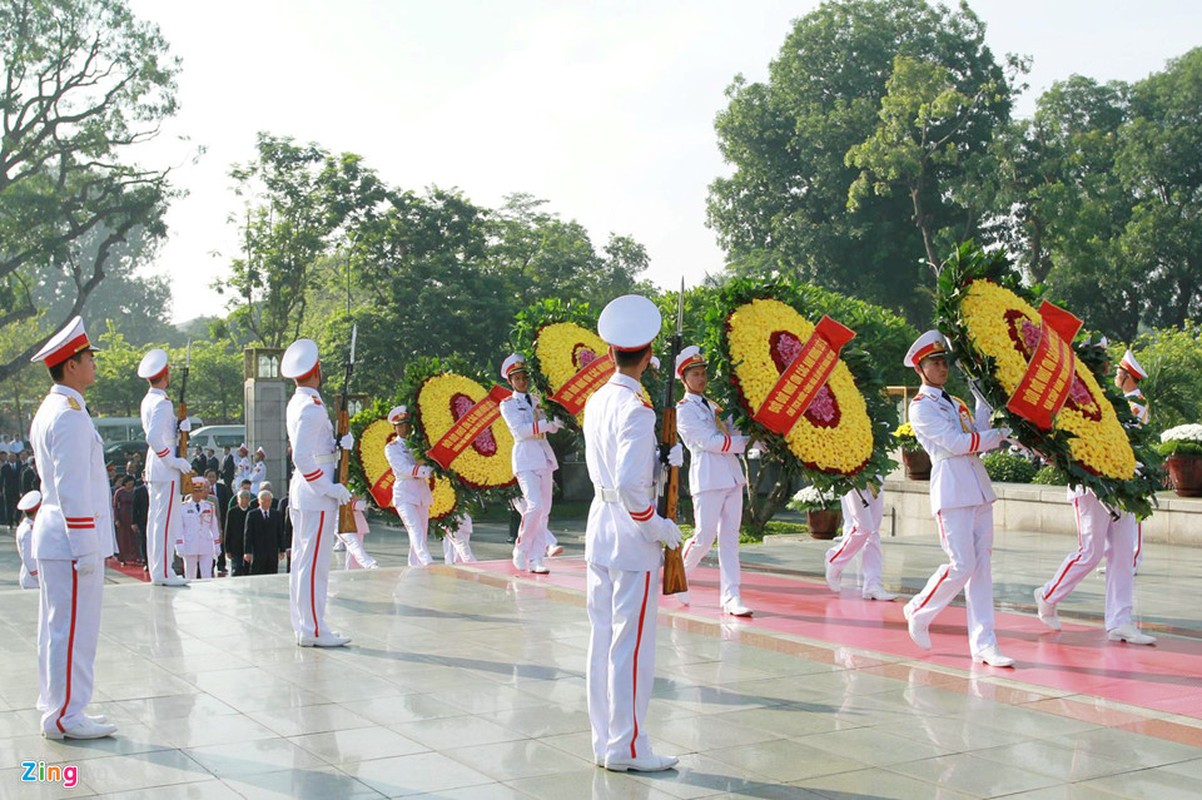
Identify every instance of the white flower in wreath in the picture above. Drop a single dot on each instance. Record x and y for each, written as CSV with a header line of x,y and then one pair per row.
x,y
1183,433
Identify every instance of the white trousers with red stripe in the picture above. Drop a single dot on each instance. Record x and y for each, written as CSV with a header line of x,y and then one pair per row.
x,y
457,546
357,556
69,624
862,515
718,514
1098,534
966,535
416,520
622,608
192,563
162,528
536,491
312,549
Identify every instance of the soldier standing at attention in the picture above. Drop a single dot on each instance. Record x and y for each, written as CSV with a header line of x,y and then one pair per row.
x,y
27,505
716,479
314,497
624,541
411,495
165,472
72,535
533,463
961,499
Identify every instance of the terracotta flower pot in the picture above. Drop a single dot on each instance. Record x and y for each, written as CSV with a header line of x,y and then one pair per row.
x,y
918,465
1185,472
824,524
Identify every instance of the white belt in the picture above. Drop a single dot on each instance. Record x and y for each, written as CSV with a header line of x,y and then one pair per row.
x,y
328,458
607,495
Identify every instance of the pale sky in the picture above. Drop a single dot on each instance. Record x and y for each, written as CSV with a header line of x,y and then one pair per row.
x,y
605,109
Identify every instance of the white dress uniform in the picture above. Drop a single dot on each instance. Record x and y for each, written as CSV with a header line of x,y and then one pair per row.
x,y
357,556
200,538
863,511
72,535
533,464
258,474
411,497
962,501
242,468
716,482
457,544
313,505
28,577
164,470
1100,532
623,550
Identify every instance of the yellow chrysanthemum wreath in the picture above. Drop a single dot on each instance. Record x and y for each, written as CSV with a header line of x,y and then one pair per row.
x,y
445,502
563,349
835,435
1004,327
486,462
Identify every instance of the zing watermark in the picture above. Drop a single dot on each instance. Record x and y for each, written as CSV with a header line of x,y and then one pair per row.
x,y
39,772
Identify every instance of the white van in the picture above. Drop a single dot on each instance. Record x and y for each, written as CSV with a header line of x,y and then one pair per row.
x,y
217,437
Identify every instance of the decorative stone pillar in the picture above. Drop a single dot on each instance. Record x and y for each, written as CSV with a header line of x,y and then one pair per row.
x,y
266,395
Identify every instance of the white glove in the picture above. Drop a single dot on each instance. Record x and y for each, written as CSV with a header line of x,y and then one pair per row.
x,y
425,472
340,493
738,444
669,534
554,426
181,464
185,425
347,441
88,564
676,458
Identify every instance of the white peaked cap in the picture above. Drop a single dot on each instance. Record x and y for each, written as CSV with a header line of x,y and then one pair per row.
x,y
16,447
200,480
67,342
29,501
1133,367
153,364
514,363
260,451
688,357
654,362
398,414
929,344
299,359
629,322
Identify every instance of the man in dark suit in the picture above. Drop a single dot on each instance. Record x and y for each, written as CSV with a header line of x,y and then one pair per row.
x,y
228,468
287,543
264,537
235,532
211,458
222,496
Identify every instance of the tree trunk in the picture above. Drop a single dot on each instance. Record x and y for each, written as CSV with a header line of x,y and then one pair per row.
x,y
758,512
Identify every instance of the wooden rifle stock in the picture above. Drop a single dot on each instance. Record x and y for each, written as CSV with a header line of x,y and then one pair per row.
x,y
675,580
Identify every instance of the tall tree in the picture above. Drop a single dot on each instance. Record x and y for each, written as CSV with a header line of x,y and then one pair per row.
x,y
85,82
786,203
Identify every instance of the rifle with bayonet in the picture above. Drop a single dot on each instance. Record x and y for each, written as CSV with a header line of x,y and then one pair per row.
x,y
181,414
669,483
346,513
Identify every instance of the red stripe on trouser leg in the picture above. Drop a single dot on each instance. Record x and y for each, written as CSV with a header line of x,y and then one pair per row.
x,y
70,647
935,588
842,547
321,523
1073,563
634,673
1139,543
167,528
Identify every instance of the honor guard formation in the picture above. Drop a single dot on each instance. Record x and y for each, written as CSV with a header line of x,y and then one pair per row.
x,y
66,530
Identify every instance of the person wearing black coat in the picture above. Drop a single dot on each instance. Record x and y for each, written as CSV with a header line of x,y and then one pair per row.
x,y
222,496
264,537
235,532
228,469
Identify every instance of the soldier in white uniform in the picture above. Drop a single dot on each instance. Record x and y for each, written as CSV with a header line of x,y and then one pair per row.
x,y
863,510
242,465
258,473
624,542
313,496
533,463
357,556
1103,531
166,472
28,504
411,495
72,536
200,537
716,479
1127,378
961,499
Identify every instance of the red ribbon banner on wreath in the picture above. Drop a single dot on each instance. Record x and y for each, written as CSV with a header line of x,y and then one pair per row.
x,y
1049,376
465,429
381,490
577,389
801,380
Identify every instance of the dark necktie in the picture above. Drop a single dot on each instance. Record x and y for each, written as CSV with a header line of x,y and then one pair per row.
x,y
264,513
705,402
529,402
947,397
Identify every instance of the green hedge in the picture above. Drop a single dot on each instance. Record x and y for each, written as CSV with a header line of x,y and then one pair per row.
x,y
1008,468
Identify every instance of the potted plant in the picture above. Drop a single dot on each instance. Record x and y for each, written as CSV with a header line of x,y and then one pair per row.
x,y
822,510
916,460
1182,448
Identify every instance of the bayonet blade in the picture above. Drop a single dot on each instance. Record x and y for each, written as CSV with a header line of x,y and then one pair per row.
x,y
680,310
188,356
354,338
